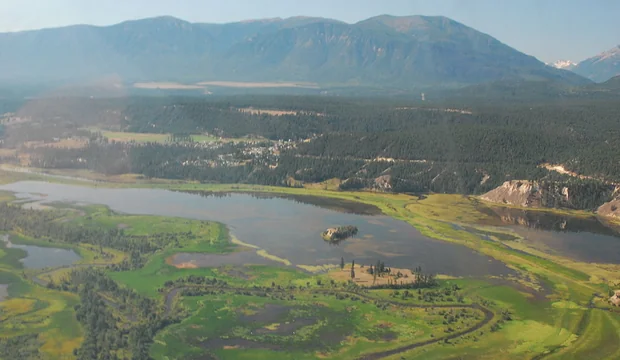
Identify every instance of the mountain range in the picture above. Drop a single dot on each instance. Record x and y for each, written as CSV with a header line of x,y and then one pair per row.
x,y
601,67
383,51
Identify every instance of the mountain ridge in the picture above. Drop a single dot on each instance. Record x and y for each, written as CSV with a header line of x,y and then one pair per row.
x,y
601,67
385,50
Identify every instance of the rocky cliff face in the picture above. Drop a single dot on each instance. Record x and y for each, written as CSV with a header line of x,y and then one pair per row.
x,y
583,195
611,208
516,192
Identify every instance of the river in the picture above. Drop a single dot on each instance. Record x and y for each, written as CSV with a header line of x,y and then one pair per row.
x,y
287,228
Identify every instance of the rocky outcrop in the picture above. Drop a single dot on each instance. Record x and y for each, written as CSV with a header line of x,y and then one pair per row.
x,y
383,183
615,299
573,194
611,208
339,233
516,192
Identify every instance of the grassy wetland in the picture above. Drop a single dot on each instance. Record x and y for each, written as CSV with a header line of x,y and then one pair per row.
x,y
548,306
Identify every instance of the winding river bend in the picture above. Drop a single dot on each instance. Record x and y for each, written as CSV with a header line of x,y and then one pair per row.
x,y
288,228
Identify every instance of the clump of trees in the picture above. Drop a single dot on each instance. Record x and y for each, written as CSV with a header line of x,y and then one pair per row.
x,y
194,280
107,336
23,347
180,137
339,233
41,225
420,279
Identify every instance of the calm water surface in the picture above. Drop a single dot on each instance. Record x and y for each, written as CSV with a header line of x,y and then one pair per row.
x,y
582,239
287,228
39,257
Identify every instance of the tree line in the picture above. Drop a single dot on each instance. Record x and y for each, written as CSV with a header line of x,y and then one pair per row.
x,y
468,150
107,336
41,225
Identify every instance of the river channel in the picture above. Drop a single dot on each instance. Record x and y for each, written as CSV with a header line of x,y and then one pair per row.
x,y
288,228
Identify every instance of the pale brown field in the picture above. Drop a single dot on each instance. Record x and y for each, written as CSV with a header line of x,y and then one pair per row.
x,y
268,112
73,143
274,112
167,86
363,278
7,152
243,84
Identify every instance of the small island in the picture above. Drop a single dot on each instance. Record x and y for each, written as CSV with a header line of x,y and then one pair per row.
x,y
339,233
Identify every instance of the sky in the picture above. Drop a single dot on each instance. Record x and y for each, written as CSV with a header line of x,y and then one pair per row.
x,y
548,29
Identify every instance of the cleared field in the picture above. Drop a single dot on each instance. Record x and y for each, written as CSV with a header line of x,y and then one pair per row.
x,y
274,112
120,136
134,137
267,111
166,86
74,143
242,84
364,278
229,84
7,152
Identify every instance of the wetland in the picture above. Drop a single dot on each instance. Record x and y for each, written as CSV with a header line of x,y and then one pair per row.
x,y
39,257
203,297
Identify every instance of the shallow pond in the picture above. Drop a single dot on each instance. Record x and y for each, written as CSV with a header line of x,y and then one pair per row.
x,y
583,239
287,228
193,260
4,291
38,257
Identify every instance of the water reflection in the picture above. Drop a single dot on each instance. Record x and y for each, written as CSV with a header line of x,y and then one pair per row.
x,y
288,228
583,239
39,257
345,206
543,220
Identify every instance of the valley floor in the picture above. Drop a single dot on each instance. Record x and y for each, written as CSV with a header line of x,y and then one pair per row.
x,y
553,307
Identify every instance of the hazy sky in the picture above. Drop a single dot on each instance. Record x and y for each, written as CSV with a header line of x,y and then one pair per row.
x,y
547,29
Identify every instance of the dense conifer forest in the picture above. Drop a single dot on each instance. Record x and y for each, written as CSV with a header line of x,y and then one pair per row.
x,y
388,145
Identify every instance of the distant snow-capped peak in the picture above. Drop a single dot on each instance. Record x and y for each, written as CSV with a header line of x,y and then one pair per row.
x,y
562,64
609,54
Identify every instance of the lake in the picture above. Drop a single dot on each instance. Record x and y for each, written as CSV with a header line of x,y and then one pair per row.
x,y
39,257
287,228
584,239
